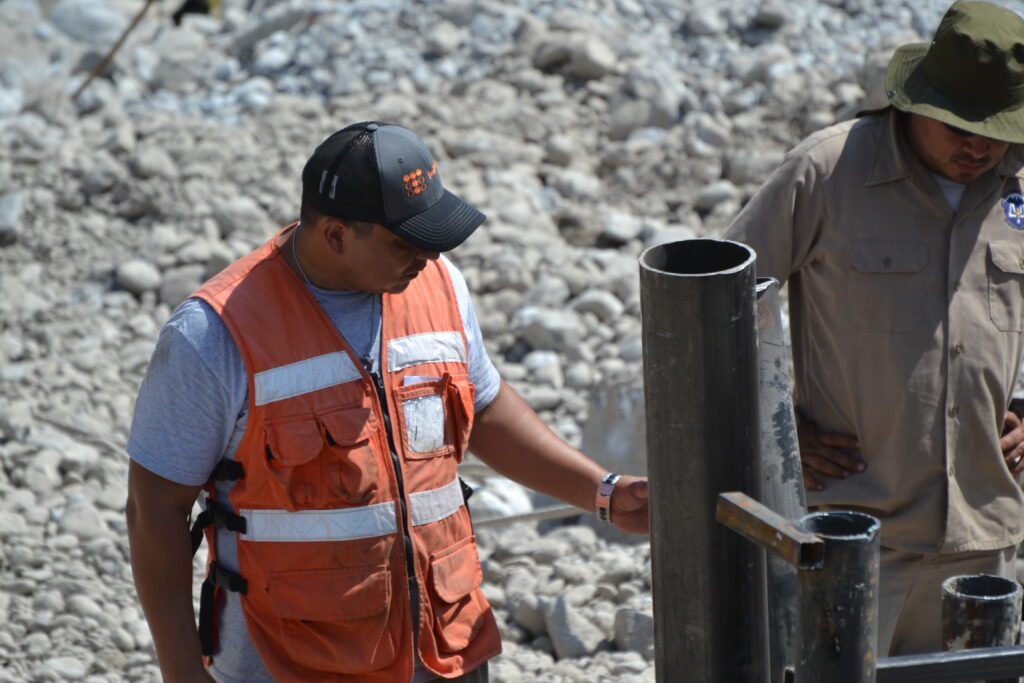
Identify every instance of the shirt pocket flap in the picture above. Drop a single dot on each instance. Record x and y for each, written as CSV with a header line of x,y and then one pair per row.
x,y
1007,256
341,594
294,440
348,426
455,571
888,256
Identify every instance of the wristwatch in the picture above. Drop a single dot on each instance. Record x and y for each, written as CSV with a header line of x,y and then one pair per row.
x,y
604,497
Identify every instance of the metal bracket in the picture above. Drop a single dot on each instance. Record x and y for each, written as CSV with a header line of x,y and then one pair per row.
x,y
757,523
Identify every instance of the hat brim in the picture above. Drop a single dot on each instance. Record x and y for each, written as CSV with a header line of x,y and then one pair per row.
x,y
445,225
910,90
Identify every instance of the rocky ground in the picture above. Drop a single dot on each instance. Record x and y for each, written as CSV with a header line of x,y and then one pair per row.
x,y
586,129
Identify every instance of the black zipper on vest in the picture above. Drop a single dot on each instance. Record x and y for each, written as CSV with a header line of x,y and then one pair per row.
x,y
383,399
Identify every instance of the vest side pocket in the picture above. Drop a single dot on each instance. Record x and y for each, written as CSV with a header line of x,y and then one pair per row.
x,y
351,471
458,604
335,620
292,447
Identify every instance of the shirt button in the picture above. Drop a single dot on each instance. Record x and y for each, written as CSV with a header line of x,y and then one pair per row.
x,y
951,470
958,348
954,410
956,285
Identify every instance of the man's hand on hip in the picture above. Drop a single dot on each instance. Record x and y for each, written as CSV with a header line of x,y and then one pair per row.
x,y
1012,443
826,455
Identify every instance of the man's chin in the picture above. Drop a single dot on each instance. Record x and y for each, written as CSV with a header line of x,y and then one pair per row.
x,y
399,287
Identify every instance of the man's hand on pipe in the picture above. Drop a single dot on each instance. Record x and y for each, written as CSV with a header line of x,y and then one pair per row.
x,y
1012,443
630,506
824,454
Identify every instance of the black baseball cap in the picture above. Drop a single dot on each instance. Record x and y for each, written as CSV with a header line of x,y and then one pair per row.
x,y
376,172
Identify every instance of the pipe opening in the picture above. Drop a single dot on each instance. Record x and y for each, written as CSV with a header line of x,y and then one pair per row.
x,y
763,284
841,525
697,257
980,587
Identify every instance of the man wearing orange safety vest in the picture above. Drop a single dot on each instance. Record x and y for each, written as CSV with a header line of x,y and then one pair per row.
x,y
322,391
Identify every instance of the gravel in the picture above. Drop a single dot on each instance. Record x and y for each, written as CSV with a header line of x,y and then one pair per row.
x,y
587,130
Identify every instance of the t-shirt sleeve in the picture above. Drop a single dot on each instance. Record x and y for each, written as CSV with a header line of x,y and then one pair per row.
x,y
482,372
783,220
190,399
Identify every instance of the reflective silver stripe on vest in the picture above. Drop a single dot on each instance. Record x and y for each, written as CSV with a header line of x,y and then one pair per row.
x,y
304,377
320,525
436,504
431,347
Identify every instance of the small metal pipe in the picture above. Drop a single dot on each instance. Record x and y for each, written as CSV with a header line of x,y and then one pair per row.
x,y
838,604
980,611
781,486
700,385
549,512
953,667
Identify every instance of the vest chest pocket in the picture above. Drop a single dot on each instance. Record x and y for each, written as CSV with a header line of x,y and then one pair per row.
x,y
322,460
335,620
436,417
885,285
350,470
1006,285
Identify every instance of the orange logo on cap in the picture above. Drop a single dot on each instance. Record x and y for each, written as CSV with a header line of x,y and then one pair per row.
x,y
416,181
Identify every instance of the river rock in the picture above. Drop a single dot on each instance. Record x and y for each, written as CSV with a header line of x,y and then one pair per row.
x,y
592,58
11,205
634,631
89,21
138,276
572,633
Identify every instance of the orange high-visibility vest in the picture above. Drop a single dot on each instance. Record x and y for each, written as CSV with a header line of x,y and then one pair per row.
x,y
348,482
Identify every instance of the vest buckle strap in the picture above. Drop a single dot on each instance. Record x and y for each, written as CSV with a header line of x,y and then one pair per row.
x,y
228,470
222,578
217,515
216,577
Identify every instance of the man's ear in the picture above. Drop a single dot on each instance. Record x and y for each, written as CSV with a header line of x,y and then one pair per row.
x,y
335,232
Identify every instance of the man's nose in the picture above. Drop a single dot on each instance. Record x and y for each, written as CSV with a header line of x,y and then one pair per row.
x,y
977,146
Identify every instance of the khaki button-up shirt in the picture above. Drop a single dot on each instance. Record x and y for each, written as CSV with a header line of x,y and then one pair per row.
x,y
906,321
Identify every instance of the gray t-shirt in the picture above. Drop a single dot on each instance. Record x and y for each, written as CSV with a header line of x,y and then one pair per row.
x,y
192,411
951,190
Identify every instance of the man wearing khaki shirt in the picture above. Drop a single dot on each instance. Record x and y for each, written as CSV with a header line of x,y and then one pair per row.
x,y
901,235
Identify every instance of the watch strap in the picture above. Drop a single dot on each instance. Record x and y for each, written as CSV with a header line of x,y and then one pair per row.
x,y
603,504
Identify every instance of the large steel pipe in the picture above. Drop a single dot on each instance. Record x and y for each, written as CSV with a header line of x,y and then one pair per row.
x,y
700,386
980,611
837,616
781,484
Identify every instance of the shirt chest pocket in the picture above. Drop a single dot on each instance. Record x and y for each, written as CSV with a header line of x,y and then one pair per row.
x,y
1006,285
886,285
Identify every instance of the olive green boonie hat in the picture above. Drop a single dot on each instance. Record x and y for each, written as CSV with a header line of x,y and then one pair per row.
x,y
971,76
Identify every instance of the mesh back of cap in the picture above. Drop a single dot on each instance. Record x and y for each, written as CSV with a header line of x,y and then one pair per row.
x,y
348,154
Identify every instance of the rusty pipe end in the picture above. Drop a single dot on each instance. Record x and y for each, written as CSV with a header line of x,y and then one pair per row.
x,y
980,587
842,525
